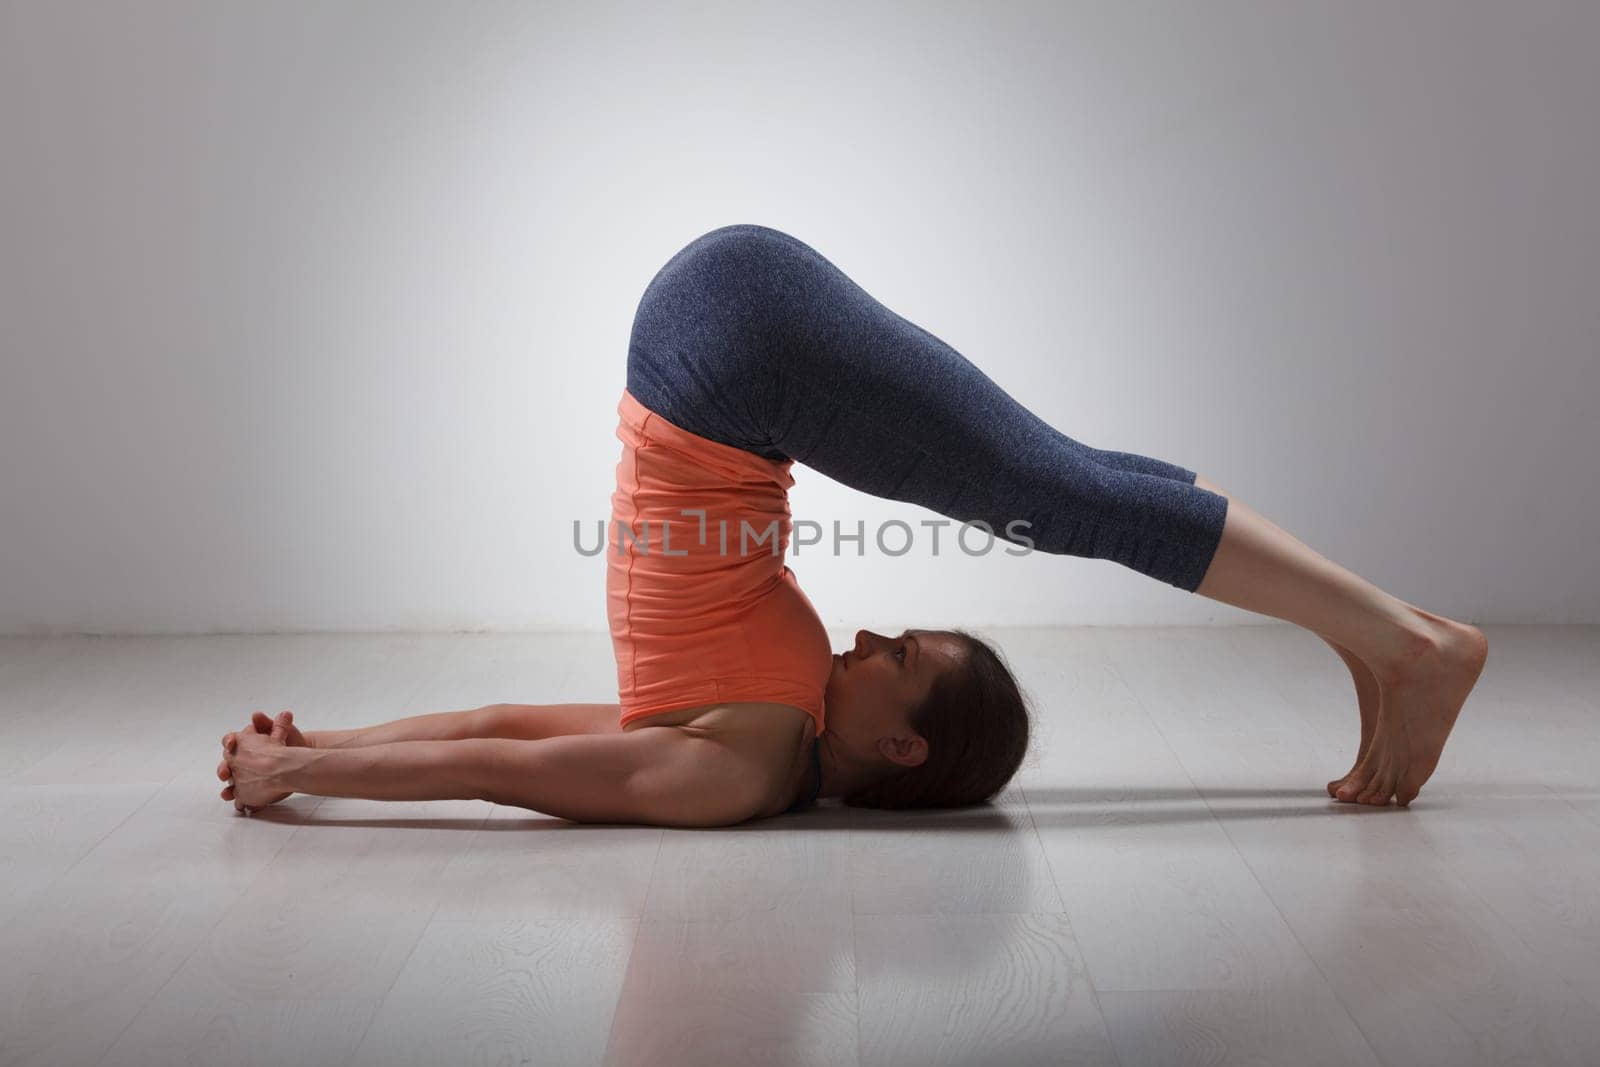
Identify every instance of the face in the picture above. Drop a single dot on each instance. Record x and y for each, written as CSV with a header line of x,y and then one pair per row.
x,y
876,685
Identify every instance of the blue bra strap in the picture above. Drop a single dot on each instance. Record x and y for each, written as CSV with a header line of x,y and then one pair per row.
x,y
816,766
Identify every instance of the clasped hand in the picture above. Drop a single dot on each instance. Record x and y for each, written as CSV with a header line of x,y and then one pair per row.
x,y
253,762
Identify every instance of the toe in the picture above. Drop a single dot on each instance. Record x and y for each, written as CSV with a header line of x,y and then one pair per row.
x,y
1355,784
1373,783
1381,788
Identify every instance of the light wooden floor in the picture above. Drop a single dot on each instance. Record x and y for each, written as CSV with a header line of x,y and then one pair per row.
x,y
1165,883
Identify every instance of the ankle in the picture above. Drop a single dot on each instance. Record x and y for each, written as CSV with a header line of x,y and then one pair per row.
x,y
1406,643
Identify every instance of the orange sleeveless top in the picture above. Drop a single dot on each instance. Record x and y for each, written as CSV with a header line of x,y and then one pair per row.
x,y
704,610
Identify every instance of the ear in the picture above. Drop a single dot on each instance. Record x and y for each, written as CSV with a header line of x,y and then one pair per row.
x,y
907,750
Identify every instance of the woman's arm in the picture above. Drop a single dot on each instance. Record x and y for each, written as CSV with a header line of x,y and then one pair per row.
x,y
658,777
527,722
439,726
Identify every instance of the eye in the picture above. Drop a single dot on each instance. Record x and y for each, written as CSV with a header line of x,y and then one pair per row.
x,y
901,652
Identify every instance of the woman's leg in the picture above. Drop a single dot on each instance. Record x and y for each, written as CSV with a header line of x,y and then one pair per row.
x,y
1368,696
751,337
1424,664
1366,683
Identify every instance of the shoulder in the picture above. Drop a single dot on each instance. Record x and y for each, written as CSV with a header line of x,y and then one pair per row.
x,y
690,780
744,753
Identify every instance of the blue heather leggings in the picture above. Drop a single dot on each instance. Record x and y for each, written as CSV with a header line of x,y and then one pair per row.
x,y
749,337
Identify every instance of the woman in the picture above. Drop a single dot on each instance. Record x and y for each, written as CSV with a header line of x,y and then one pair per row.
x,y
751,351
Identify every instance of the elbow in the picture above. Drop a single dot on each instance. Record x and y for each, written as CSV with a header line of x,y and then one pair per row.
x,y
699,811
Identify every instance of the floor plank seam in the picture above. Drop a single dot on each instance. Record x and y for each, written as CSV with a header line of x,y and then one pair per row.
x,y
1061,898
200,943
1234,845
638,928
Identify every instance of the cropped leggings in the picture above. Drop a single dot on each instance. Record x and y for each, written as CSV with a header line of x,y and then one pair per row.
x,y
749,337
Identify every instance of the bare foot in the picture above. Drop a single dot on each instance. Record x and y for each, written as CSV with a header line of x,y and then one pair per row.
x,y
1377,774
1420,697
1367,700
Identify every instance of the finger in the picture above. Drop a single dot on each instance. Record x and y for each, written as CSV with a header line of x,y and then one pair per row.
x,y
261,722
222,770
227,792
280,727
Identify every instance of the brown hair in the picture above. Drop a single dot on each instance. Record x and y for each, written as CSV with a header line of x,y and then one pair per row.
x,y
976,723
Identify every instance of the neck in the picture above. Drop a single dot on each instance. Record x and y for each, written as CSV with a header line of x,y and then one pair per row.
x,y
843,772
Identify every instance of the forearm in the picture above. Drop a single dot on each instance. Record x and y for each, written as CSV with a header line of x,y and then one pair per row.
x,y
398,770
439,726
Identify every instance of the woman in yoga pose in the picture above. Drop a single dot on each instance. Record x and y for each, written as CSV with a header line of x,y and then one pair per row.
x,y
751,351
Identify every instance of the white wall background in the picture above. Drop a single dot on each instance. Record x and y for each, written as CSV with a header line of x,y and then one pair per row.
x,y
315,316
